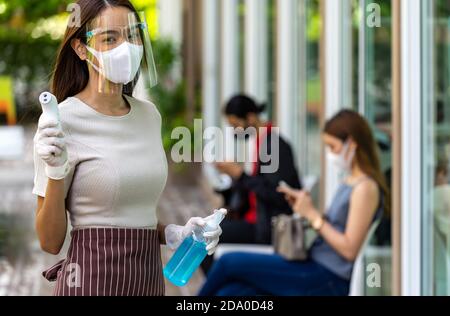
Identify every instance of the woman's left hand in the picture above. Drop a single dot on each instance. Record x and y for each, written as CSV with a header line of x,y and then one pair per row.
x,y
212,237
175,234
300,201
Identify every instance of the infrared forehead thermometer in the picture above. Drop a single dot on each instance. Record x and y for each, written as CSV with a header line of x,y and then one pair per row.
x,y
49,105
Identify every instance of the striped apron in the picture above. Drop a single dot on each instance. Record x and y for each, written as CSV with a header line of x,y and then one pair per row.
x,y
110,262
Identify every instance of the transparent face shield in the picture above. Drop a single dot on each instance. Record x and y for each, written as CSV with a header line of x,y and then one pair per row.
x,y
120,52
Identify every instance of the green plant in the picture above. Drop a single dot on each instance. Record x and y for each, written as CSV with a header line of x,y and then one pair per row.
x,y
27,56
169,95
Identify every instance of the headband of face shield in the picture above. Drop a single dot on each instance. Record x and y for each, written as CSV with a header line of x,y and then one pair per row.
x,y
121,52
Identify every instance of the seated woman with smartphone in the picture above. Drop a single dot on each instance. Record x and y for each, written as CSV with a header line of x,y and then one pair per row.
x,y
360,201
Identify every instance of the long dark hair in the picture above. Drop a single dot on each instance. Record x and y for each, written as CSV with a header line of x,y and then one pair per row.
x,y
71,75
348,124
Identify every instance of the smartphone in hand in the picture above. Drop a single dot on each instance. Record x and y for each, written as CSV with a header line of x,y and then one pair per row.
x,y
283,184
308,184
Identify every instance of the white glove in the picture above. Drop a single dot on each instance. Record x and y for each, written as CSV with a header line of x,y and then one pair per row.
x,y
50,145
175,234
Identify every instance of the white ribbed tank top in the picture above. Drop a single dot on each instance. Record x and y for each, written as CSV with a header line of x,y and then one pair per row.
x,y
118,165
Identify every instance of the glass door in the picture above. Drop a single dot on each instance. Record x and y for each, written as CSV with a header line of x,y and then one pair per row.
x,y
313,102
372,95
436,151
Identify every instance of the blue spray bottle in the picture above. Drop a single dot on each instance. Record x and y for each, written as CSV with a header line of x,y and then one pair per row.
x,y
191,253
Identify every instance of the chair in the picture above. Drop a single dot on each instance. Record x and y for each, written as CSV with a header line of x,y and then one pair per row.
x,y
224,249
357,283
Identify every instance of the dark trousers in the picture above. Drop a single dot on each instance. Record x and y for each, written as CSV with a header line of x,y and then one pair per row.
x,y
234,232
244,274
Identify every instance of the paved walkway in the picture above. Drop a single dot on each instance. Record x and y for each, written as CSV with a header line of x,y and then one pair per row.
x,y
186,195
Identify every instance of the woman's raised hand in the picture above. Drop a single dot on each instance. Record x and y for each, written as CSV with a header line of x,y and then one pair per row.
x,y
300,201
50,146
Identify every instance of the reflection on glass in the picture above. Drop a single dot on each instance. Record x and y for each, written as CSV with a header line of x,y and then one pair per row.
x,y
270,51
368,50
436,140
313,90
271,27
242,9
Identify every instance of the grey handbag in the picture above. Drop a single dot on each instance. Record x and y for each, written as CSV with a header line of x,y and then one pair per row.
x,y
292,236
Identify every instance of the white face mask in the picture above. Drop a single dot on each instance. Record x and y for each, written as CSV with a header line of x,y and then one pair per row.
x,y
119,65
340,160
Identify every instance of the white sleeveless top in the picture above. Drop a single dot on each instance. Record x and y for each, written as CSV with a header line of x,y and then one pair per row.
x,y
118,165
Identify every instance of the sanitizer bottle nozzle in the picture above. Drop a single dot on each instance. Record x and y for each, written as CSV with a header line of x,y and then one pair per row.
x,y
212,224
191,252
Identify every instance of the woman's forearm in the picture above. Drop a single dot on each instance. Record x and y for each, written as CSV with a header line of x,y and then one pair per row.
x,y
338,241
51,219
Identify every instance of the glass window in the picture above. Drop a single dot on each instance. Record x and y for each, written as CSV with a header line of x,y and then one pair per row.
x,y
313,93
271,28
367,69
242,10
307,104
350,53
375,95
268,96
436,151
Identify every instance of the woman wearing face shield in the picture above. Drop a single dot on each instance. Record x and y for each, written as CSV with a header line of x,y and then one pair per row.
x,y
360,201
103,163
